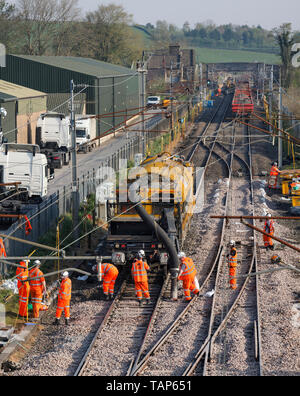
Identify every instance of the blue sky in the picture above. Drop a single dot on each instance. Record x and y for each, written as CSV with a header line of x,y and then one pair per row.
x,y
267,13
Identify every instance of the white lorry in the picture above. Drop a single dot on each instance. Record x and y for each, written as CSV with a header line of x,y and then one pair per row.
x,y
85,133
25,165
54,138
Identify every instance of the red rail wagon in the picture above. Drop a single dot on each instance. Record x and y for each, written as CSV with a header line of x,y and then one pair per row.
x,y
242,103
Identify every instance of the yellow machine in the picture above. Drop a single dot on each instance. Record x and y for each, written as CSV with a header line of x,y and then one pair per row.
x,y
287,177
164,184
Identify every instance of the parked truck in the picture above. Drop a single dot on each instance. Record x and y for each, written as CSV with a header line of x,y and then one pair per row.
x,y
85,133
23,168
54,138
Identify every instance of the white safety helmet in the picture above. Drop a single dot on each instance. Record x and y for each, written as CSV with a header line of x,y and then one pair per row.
x,y
181,255
37,262
65,274
269,215
232,243
141,253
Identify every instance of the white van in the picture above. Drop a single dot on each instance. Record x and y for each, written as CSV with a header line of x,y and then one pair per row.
x,y
153,101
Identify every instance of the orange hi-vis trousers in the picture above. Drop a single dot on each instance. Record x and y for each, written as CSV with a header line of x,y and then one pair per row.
x,y
24,290
109,281
142,289
189,284
63,305
36,299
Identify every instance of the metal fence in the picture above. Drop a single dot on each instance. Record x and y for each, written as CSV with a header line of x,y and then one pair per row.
x,y
44,216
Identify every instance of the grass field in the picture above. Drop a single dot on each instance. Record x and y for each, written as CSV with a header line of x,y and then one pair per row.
x,y
215,55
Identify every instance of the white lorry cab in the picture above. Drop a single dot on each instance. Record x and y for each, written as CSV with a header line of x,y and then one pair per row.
x,y
85,133
53,135
25,164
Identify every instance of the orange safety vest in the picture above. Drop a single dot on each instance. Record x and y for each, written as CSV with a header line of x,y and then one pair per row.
x,y
269,227
21,273
139,270
34,273
232,259
2,248
274,171
65,290
188,267
105,268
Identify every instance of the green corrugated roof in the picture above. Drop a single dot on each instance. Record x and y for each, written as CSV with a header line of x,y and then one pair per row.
x,y
14,91
87,66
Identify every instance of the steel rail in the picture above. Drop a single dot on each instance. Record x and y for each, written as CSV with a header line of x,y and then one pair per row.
x,y
205,350
142,363
85,360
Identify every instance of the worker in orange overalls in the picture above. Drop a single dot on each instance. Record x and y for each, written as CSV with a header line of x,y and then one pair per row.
x,y
24,288
64,298
187,273
232,264
109,274
269,228
37,288
139,273
273,178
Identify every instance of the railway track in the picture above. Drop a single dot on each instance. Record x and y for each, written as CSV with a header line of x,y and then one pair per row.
x,y
210,353
125,321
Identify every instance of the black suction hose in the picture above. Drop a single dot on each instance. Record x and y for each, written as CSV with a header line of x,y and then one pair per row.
x,y
163,237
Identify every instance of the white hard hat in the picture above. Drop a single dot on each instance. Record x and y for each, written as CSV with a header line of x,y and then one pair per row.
x,y
141,253
269,215
65,274
232,242
37,262
181,255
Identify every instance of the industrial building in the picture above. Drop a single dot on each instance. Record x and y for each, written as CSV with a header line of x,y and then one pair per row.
x,y
180,63
23,107
109,88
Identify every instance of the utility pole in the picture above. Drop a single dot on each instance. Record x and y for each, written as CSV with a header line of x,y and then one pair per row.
x,y
171,95
142,71
280,114
201,80
75,193
271,99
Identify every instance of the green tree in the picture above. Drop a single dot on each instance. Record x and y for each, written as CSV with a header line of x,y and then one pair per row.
x,y
108,36
283,37
7,15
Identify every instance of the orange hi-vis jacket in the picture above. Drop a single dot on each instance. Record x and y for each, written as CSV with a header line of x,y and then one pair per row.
x,y
139,270
36,290
269,227
232,259
274,171
188,268
21,273
65,290
24,289
36,283
106,268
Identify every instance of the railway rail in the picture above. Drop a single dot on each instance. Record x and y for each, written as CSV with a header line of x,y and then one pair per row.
x,y
217,279
126,317
215,317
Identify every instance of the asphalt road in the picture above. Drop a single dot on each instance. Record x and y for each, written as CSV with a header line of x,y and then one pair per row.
x,y
86,162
